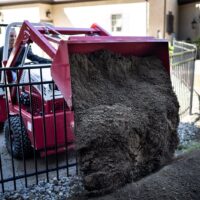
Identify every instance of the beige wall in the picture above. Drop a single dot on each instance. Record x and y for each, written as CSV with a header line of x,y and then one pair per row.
x,y
186,14
18,6
42,8
157,19
60,18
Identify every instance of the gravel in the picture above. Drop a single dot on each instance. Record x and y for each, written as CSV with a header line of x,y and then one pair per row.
x,y
188,133
53,190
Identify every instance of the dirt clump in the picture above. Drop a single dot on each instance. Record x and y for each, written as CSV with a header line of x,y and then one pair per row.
x,y
126,116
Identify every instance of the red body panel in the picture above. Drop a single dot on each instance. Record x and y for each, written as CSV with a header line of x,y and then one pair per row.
x,y
44,127
3,112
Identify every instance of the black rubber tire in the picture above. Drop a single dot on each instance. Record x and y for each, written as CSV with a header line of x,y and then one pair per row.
x,y
1,126
21,145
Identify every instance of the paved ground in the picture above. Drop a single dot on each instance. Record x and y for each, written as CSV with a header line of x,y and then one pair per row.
x,y
29,167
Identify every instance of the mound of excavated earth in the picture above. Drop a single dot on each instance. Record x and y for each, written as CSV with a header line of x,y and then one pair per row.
x,y
126,116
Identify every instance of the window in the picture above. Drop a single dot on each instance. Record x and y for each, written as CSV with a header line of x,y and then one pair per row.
x,y
116,22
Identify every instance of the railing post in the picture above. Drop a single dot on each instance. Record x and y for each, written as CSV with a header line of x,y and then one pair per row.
x,y
192,82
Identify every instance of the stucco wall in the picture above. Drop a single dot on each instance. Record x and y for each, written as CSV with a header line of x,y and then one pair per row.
x,y
158,17
20,13
172,6
31,12
61,19
155,18
186,15
43,9
134,15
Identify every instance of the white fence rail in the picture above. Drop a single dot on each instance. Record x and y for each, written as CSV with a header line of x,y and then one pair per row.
x,y
182,74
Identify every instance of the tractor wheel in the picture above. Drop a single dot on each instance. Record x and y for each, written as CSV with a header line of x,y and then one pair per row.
x,y
21,145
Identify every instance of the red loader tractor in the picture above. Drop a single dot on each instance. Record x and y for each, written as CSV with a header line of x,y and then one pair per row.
x,y
36,118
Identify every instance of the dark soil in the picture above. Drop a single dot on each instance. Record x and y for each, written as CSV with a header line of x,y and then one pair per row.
x,y
126,116
176,181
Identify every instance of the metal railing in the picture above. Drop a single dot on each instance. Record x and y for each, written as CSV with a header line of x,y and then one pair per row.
x,y
182,74
38,129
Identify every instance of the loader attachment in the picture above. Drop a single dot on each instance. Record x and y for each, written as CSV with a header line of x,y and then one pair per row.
x,y
127,46
94,39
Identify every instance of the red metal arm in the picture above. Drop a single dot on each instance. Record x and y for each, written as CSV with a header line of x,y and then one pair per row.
x,y
101,31
69,31
28,34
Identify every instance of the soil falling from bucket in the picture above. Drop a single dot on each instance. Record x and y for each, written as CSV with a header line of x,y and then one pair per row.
x,y
126,116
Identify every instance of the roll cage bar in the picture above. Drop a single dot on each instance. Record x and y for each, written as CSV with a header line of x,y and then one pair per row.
x,y
43,35
40,34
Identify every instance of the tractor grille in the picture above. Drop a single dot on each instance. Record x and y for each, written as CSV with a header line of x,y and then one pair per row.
x,y
36,105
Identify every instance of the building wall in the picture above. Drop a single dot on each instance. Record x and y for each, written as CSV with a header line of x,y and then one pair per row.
x,y
31,12
18,13
186,14
147,22
172,6
156,18
61,19
133,12
158,11
43,9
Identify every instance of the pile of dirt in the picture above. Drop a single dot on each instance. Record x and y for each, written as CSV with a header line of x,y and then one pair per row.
x,y
126,116
179,180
